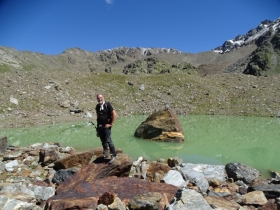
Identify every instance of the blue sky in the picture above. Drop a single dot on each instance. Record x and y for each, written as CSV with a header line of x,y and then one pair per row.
x,y
52,26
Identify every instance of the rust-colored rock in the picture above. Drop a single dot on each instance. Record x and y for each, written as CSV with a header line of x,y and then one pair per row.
x,y
107,198
85,194
91,185
162,125
77,160
97,170
222,203
270,205
48,156
156,171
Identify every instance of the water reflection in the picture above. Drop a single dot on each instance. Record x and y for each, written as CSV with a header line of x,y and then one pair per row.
x,y
208,139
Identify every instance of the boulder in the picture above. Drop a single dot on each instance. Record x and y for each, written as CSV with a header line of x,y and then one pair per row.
x,y
196,178
63,174
48,156
148,200
97,170
100,182
209,171
156,171
86,194
239,171
175,178
77,160
255,198
10,203
188,199
162,125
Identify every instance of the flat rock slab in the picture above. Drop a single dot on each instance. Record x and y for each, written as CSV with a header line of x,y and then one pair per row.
x,y
85,194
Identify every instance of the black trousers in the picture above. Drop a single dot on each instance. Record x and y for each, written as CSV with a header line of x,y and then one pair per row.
x,y
106,140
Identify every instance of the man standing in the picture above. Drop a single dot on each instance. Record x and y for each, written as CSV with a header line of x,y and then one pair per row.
x,y
106,117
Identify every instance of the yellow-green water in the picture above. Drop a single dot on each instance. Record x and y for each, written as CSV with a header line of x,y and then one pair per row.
x,y
253,141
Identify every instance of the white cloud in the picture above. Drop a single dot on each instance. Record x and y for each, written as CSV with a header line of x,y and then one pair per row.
x,y
109,1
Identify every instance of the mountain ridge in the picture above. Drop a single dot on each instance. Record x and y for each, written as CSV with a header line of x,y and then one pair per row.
x,y
232,57
38,88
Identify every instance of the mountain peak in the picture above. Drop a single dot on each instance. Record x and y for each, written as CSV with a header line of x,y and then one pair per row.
x,y
250,37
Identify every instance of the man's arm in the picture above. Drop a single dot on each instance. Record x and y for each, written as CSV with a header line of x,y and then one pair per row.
x,y
114,116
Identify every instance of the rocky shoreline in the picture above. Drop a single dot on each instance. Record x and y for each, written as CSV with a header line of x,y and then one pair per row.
x,y
51,176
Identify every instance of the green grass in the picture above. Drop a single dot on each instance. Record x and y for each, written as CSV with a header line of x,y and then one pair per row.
x,y
4,68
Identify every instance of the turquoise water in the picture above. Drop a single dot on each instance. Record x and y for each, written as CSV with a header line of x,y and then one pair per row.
x,y
253,141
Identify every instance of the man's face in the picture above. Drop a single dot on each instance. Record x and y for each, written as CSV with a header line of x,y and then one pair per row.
x,y
100,99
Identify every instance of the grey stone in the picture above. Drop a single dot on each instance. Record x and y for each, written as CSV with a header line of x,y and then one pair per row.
x,y
145,201
18,187
10,204
43,193
11,165
186,199
12,155
175,178
61,175
209,171
142,87
239,171
196,178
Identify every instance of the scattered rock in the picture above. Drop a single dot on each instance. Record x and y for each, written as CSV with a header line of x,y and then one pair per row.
x,y
13,100
239,171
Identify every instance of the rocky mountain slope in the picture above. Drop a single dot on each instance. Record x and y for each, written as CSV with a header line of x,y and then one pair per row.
x,y
38,88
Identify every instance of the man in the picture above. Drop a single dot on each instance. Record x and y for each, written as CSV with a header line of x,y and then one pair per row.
x,y
106,117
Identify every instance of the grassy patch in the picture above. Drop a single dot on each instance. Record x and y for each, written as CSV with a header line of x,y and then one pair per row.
x,y
4,68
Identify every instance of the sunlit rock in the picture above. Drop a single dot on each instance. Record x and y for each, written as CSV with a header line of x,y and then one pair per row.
x,y
221,203
162,125
10,166
175,178
188,199
13,100
255,198
208,171
86,192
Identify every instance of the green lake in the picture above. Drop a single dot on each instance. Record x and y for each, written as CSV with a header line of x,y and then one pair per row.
x,y
253,141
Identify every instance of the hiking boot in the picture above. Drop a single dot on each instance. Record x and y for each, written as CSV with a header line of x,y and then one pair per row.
x,y
106,154
112,159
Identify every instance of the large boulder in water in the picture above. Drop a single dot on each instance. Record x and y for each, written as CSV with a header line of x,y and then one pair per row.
x,y
162,125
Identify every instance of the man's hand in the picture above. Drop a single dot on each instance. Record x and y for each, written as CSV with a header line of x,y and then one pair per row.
x,y
108,125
